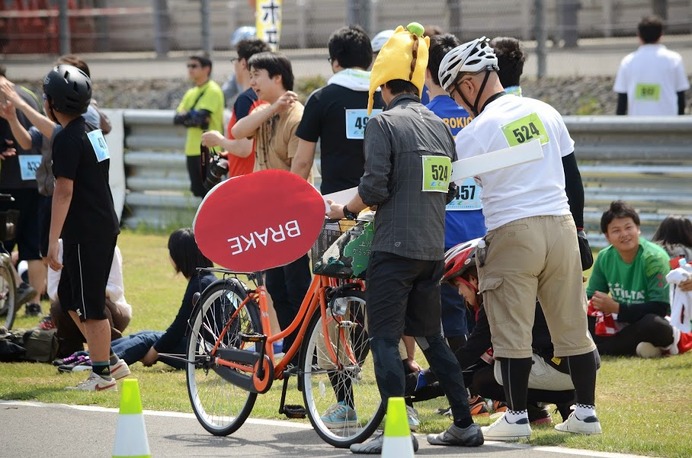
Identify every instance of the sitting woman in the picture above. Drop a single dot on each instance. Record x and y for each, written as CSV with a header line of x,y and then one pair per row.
x,y
627,291
674,234
152,346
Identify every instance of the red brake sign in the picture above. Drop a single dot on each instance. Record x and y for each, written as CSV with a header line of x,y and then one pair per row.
x,y
259,221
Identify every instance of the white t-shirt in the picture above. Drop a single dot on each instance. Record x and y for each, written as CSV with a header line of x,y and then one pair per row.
x,y
532,189
651,77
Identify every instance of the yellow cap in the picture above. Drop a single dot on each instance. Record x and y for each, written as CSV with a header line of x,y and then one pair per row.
x,y
396,61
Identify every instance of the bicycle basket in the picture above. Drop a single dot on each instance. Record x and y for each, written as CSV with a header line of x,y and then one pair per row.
x,y
8,224
342,249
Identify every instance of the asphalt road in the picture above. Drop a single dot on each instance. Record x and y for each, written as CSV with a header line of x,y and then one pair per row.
x,y
30,429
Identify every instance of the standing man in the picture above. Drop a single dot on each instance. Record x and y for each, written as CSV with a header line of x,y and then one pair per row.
x,y
408,153
239,152
531,246
336,114
651,81
273,126
201,109
84,217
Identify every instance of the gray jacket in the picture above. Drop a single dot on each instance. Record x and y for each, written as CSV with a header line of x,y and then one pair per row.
x,y
408,222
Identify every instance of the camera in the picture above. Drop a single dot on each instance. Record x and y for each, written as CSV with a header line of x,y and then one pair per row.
x,y
214,167
193,118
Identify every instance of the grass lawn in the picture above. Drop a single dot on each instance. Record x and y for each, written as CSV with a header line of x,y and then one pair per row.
x,y
644,405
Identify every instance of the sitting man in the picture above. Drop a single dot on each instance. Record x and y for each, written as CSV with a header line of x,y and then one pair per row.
x,y
628,293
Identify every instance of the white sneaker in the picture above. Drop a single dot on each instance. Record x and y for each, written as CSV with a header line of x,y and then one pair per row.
x,y
413,421
96,383
589,425
502,430
120,370
648,350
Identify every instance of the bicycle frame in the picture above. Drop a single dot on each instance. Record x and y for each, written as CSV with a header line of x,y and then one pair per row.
x,y
314,298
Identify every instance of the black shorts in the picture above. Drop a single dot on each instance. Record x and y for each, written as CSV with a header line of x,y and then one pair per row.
x,y
403,296
28,232
84,276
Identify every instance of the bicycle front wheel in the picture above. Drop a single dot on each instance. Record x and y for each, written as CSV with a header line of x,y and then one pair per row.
x,y
7,292
220,406
339,387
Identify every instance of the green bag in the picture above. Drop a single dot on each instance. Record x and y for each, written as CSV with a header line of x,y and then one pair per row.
x,y
40,345
343,251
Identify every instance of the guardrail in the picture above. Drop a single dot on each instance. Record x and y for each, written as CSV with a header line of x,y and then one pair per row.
x,y
645,161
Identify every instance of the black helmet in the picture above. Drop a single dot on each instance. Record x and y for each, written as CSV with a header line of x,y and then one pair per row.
x,y
68,88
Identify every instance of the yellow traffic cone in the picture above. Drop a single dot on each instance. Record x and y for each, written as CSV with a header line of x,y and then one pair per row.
x,y
397,435
131,433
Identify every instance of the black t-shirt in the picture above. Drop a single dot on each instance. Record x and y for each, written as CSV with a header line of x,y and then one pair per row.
x,y
325,118
91,216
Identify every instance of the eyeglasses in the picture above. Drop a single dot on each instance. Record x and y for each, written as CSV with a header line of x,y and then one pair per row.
x,y
192,65
330,60
234,59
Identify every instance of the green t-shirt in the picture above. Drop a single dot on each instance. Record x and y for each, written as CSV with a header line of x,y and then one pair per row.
x,y
211,100
644,280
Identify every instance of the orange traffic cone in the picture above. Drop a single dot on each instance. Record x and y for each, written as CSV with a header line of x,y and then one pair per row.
x,y
131,433
397,435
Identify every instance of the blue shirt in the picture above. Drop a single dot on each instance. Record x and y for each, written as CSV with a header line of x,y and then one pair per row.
x,y
464,218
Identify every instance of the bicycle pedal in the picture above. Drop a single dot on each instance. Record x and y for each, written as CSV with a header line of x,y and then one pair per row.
x,y
291,370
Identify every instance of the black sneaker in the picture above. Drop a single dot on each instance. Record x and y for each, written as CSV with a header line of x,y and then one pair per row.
x,y
33,309
24,293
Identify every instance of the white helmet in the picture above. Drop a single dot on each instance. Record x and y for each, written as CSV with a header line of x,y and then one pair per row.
x,y
245,32
380,39
471,57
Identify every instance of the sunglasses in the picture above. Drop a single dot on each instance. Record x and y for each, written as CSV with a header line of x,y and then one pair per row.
x,y
192,65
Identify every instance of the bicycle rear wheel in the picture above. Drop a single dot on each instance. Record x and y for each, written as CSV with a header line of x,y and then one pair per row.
x,y
220,406
7,292
339,387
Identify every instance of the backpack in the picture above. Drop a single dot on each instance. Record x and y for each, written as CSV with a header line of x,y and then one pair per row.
x,y
40,345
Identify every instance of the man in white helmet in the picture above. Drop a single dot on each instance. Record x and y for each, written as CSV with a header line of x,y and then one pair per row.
x,y
532,212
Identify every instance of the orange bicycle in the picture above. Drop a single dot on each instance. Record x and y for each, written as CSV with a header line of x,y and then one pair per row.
x,y
230,357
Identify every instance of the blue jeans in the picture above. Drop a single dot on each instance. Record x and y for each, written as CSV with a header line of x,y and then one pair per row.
x,y
132,348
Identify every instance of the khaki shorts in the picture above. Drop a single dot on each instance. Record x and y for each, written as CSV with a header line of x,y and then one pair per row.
x,y
536,257
543,376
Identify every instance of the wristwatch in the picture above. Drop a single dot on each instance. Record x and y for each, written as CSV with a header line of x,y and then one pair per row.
x,y
348,214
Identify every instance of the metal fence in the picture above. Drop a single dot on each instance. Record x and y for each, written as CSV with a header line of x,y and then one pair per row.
x,y
82,26
645,161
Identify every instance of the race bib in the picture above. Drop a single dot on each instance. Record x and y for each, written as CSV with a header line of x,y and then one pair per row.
x,y
437,171
356,119
99,144
468,196
647,92
525,129
28,164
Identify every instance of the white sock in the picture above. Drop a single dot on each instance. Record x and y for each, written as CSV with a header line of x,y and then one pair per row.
x,y
583,411
513,416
